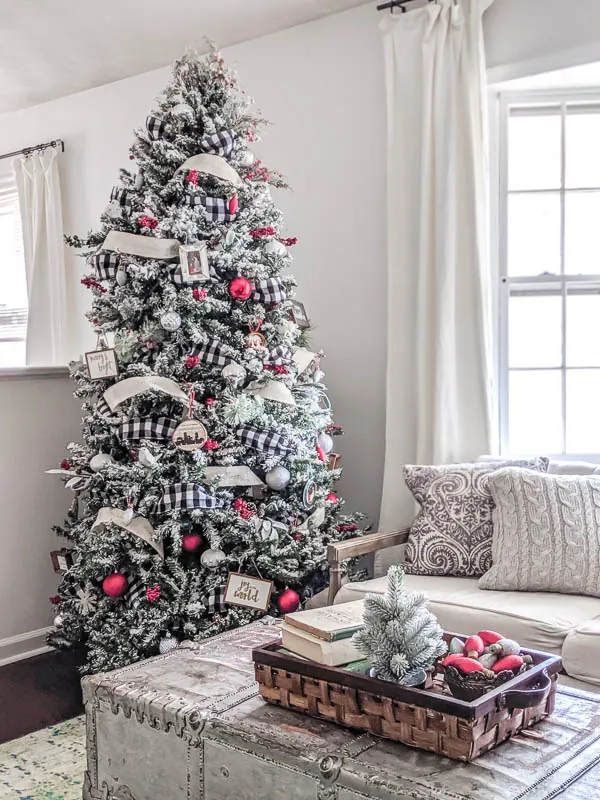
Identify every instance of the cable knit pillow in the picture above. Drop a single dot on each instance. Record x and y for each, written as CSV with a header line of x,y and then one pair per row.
x,y
452,533
546,533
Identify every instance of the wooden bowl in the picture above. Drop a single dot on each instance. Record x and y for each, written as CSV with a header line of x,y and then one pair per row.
x,y
475,684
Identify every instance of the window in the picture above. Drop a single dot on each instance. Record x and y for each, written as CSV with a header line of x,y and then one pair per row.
x,y
13,287
549,273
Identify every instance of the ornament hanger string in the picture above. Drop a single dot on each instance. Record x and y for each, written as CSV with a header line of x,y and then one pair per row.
x,y
256,329
191,398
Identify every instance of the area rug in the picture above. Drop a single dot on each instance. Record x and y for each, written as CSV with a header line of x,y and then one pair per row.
x,y
46,765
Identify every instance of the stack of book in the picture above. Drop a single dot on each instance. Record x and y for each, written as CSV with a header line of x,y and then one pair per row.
x,y
324,635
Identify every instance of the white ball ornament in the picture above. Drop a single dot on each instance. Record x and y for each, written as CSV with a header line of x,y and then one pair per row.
x,y
212,558
121,277
167,644
318,376
59,621
234,374
170,321
277,478
275,248
245,158
100,460
183,110
138,181
325,441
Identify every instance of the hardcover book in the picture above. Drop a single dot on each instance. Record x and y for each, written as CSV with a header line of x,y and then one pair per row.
x,y
330,623
332,654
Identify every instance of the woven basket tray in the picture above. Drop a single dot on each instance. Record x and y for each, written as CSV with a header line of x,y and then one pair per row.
x,y
431,719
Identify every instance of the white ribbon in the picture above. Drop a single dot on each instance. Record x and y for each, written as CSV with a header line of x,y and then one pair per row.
x,y
273,390
135,244
303,358
123,390
317,519
212,165
138,526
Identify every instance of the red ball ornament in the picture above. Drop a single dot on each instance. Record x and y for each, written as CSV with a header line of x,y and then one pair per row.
x,y
240,288
65,464
288,601
234,204
332,498
114,585
191,542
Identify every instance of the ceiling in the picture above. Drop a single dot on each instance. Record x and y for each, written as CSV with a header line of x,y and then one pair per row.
x,y
51,48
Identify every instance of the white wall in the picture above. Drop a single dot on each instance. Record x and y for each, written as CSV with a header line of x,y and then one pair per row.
x,y
322,86
524,37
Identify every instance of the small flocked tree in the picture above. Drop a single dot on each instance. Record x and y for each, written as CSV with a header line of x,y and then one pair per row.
x,y
401,638
209,452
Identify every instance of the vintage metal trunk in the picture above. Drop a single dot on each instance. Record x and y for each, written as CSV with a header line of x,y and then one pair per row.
x,y
190,725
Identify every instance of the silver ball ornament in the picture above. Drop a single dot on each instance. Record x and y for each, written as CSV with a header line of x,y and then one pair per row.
x,y
167,644
277,478
318,376
234,373
121,277
170,321
183,110
100,460
245,158
59,621
325,441
275,248
138,181
212,558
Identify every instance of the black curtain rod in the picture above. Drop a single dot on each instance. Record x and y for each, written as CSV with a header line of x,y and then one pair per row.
x,y
27,150
395,4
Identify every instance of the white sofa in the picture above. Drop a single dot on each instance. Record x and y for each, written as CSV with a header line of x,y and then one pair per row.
x,y
568,625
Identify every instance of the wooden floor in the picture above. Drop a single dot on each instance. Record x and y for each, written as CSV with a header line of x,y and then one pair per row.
x,y
37,692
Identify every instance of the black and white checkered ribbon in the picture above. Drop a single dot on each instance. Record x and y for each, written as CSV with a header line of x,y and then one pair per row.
x,y
216,208
156,127
266,440
147,428
269,290
122,197
187,495
215,600
105,265
211,352
103,409
280,355
220,143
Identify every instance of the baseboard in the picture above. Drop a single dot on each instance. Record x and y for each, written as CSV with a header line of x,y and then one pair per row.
x,y
23,645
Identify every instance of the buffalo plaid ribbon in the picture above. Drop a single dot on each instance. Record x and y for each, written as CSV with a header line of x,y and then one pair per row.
x,y
220,143
269,290
147,428
105,265
122,197
216,208
215,599
279,356
262,439
187,495
212,352
156,127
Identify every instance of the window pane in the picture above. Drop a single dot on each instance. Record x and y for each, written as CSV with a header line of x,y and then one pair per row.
x,y
533,233
583,402
582,233
534,152
582,134
535,331
583,330
12,354
535,412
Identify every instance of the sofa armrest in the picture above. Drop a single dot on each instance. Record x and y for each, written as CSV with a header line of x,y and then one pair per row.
x,y
337,552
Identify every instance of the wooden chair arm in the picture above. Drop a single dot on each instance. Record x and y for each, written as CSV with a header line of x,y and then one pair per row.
x,y
337,552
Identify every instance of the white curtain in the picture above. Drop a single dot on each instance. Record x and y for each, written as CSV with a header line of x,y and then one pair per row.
x,y
439,344
38,186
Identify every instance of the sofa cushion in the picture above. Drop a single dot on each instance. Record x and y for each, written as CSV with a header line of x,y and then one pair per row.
x,y
536,619
581,652
452,532
546,533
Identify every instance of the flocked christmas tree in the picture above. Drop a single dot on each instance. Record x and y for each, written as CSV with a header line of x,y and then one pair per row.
x,y
401,638
209,452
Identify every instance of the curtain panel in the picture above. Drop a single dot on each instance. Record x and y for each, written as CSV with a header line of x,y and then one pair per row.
x,y
439,314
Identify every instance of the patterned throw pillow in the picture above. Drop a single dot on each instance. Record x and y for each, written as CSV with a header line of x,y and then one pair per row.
x,y
452,533
546,533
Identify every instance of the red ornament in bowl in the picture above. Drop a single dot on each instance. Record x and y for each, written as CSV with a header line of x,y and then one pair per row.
x,y
114,585
288,601
240,288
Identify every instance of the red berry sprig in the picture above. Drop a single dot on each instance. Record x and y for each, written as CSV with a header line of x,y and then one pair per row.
x,y
199,294
289,241
210,444
65,464
192,176
90,283
148,222
192,361
346,528
243,509
259,233
153,593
